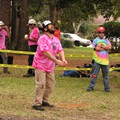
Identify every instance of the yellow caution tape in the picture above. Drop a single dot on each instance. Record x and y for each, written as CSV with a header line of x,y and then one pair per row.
x,y
67,55
115,54
81,56
15,66
32,53
56,68
70,68
18,52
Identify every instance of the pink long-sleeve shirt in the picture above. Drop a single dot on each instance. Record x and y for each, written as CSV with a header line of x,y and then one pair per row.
x,y
3,35
45,43
34,34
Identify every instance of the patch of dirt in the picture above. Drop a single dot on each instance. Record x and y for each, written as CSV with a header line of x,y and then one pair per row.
x,y
75,63
19,59
23,60
8,117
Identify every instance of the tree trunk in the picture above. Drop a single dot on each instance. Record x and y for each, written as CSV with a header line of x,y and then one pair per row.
x,y
54,14
19,21
76,27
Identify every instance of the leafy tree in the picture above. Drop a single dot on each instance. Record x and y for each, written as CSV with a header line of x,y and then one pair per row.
x,y
108,8
72,14
116,8
78,12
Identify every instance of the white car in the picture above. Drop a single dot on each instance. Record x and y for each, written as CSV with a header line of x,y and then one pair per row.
x,y
75,39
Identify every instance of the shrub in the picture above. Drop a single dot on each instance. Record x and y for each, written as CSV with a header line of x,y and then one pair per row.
x,y
84,28
112,29
113,33
66,44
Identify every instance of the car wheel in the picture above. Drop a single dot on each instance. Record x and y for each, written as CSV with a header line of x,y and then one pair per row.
x,y
77,43
85,45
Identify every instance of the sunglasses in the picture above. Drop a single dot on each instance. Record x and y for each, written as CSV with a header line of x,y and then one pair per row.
x,y
101,32
31,24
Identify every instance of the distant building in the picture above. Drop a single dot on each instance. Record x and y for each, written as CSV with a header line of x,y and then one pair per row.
x,y
5,11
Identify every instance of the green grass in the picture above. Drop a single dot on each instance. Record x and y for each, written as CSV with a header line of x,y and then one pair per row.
x,y
78,50
70,98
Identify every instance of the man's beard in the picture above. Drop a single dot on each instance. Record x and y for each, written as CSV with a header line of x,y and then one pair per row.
x,y
50,31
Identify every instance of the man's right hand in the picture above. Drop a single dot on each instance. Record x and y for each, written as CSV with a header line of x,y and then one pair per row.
x,y
61,63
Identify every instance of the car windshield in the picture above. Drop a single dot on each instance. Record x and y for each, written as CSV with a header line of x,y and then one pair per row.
x,y
75,36
67,36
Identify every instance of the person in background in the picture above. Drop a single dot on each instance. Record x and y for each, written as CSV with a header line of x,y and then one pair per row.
x,y
39,24
44,64
32,39
3,35
57,33
100,60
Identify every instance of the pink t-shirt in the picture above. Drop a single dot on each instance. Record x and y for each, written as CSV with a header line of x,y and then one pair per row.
x,y
45,43
3,35
34,34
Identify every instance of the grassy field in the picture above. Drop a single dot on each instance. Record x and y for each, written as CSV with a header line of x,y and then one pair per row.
x,y
71,100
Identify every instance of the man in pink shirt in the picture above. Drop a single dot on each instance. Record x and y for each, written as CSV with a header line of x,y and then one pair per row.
x,y
3,35
44,64
32,39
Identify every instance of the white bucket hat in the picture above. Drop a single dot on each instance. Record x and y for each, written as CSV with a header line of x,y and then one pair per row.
x,y
32,21
1,23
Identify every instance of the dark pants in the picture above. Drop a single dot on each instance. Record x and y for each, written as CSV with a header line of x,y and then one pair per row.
x,y
32,48
4,59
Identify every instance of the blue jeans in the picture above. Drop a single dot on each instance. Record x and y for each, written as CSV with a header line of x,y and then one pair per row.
x,y
94,74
